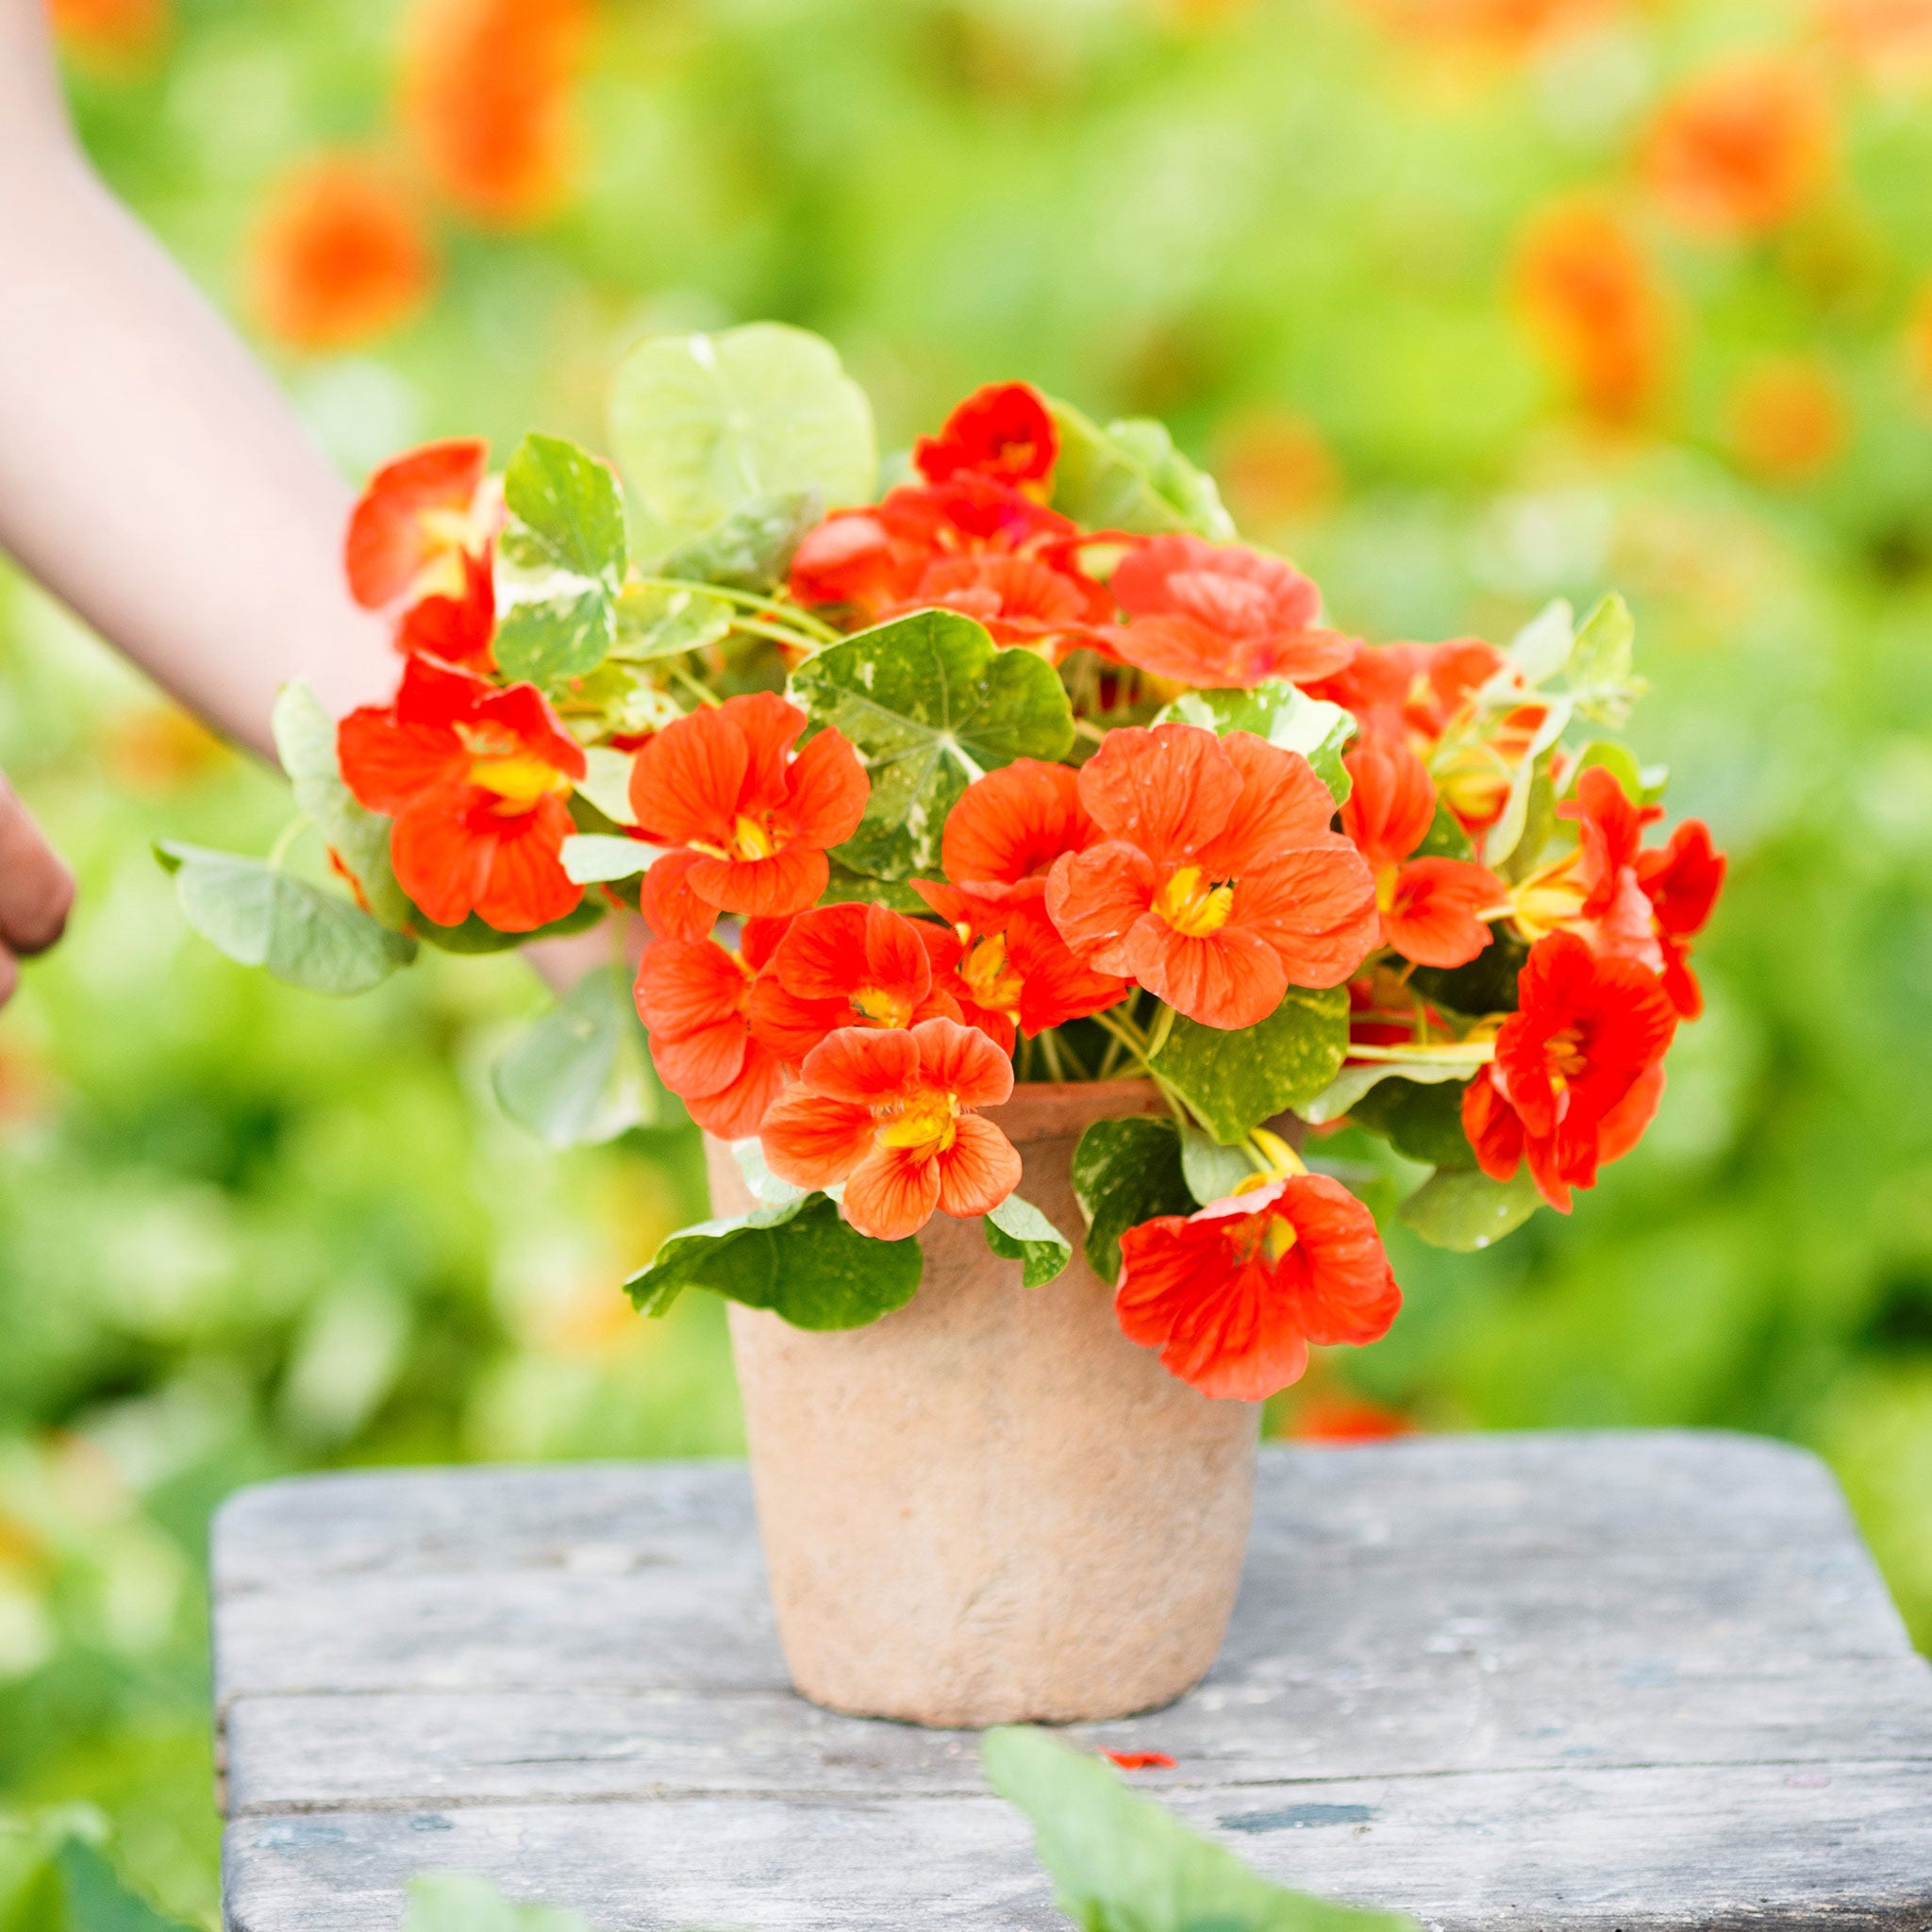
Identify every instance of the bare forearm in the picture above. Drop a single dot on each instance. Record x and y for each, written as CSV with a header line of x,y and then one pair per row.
x,y
151,475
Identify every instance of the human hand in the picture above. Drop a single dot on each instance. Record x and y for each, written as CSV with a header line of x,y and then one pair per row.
x,y
36,889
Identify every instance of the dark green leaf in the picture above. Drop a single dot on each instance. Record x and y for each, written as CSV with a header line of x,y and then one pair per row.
x,y
799,1259
306,743
1018,1231
1343,1092
458,1902
1235,1081
259,915
1129,477
560,562
847,887
930,703
1126,1172
654,621
1420,1121
1121,1863
1486,985
751,549
1466,1210
1281,714
474,936
580,1075
704,425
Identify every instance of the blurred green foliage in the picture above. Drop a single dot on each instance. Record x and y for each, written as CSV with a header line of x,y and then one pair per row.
x,y
244,1230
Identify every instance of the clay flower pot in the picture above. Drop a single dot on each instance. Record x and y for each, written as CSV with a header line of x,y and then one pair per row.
x,y
991,1506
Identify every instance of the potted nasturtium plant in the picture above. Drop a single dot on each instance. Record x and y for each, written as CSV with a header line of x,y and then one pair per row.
x,y
1029,881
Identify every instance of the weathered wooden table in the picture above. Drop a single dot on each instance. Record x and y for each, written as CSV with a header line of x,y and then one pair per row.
x,y
1605,1681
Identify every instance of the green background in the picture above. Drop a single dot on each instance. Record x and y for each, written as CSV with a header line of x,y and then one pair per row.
x,y
244,1230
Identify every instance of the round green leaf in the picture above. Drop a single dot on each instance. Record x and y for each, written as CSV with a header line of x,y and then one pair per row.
x,y
1016,1231
706,424
930,703
578,1074
1235,1081
1126,1172
1464,1209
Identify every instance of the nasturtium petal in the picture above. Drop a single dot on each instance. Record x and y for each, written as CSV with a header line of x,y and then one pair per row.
x,y
930,703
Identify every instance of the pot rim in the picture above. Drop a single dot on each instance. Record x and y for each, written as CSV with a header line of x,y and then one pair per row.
x,y
1057,1109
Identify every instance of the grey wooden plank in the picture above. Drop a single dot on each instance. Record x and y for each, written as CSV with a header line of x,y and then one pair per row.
x,y
1584,1851
580,1579
1425,1716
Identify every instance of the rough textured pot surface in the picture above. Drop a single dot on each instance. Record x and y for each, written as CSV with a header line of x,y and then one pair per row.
x,y
992,1506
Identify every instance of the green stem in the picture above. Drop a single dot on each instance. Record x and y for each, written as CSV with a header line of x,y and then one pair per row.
x,y
748,600
1050,1052
698,691
778,633
1473,1053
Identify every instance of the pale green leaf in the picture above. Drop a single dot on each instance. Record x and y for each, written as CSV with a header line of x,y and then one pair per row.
x,y
1018,1231
752,548
594,858
1126,1172
1600,676
704,425
1129,477
1352,1082
1542,647
1280,713
654,620
259,915
1506,833
798,1259
1121,1863
607,782
930,703
767,1190
305,737
460,1902
1211,1171
1235,1081
579,1074
1466,1210
560,562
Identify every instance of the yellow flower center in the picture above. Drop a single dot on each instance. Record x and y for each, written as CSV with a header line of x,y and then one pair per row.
x,y
1281,1237
1385,887
518,781
1565,1058
881,1007
752,838
1475,781
993,983
1191,907
930,1123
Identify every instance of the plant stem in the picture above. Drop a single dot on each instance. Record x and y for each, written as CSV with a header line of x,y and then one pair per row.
x,y
700,691
748,600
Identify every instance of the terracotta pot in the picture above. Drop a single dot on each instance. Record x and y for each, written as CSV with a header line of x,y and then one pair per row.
x,y
992,1506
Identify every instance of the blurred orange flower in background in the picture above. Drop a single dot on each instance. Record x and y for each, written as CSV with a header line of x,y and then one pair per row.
x,y
1741,148
1508,27
1787,419
341,255
1274,468
1597,309
1890,40
113,31
487,97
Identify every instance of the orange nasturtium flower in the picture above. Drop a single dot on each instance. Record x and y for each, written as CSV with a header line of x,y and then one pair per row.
x,y
1005,964
420,537
890,1114
341,256
475,779
1578,1069
751,819
1431,907
1011,827
845,966
1233,1295
1787,420
1891,40
1216,884
1739,150
488,90
694,998
1592,301
1004,431
1220,615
